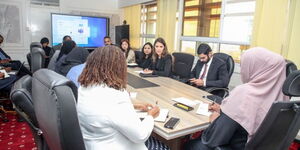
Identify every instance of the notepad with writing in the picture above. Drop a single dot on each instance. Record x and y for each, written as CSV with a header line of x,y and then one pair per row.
x,y
203,109
162,117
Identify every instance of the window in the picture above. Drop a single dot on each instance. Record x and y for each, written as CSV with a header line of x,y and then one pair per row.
x,y
148,22
226,25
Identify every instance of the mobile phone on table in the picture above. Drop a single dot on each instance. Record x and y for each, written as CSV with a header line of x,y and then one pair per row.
x,y
171,123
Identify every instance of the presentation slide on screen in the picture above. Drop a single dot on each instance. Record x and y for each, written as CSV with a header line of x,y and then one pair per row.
x,y
85,31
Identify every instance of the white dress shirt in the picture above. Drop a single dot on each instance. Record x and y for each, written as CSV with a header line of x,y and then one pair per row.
x,y
108,120
202,70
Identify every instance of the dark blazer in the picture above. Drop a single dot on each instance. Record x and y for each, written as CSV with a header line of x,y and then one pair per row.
x,y
217,75
1,51
162,66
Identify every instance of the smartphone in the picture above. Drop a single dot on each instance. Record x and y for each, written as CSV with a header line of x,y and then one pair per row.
x,y
171,123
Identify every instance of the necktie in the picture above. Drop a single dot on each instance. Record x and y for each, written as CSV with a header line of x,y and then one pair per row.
x,y
204,72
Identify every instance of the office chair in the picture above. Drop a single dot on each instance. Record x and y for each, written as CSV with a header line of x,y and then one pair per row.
x,y
282,122
21,98
138,56
290,67
28,56
182,66
52,62
54,98
37,59
230,68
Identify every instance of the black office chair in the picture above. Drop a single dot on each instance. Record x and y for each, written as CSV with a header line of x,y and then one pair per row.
x,y
28,56
138,56
182,66
230,68
37,59
21,98
54,98
290,67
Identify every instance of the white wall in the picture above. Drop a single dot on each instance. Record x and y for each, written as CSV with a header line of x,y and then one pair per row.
x,y
36,20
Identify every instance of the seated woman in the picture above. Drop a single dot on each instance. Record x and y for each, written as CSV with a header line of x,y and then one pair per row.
x,y
125,47
66,48
241,113
162,61
77,56
146,59
106,115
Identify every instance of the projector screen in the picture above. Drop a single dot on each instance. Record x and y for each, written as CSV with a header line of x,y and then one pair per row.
x,y
85,31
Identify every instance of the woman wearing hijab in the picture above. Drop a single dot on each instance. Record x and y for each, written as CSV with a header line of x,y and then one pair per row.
x,y
236,120
66,48
77,56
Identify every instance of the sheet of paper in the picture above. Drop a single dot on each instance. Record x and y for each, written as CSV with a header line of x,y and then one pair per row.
x,y
163,114
132,64
185,101
162,117
203,109
6,75
140,71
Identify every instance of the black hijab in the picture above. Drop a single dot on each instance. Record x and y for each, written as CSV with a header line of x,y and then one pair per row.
x,y
77,56
66,48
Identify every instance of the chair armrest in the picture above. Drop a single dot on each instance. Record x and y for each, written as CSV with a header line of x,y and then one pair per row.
x,y
213,89
222,148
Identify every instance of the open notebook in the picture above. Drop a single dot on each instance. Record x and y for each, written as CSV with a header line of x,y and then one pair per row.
x,y
162,117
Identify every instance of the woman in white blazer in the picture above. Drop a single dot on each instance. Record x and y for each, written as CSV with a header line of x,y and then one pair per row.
x,y
106,115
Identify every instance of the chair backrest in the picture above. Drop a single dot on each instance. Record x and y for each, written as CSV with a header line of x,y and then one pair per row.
x,y
35,44
290,67
37,59
52,62
291,86
138,55
229,62
278,129
20,95
183,64
54,98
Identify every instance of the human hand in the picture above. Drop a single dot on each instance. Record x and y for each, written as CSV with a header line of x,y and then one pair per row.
x,y
143,106
198,82
1,75
214,107
147,71
8,69
213,116
154,112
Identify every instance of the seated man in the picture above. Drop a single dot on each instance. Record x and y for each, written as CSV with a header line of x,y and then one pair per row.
x,y
6,83
209,71
6,61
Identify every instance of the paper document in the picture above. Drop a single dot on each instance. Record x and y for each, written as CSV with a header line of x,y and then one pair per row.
x,y
140,71
162,117
203,109
132,64
163,114
185,101
6,75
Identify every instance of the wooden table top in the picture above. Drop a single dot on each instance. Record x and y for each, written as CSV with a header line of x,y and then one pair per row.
x,y
190,122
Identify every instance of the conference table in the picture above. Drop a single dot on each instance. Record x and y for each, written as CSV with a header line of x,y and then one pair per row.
x,y
162,90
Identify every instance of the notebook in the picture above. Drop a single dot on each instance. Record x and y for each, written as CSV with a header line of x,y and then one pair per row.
x,y
162,117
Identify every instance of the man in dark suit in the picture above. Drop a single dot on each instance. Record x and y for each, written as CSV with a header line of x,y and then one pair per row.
x,y
5,61
209,71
